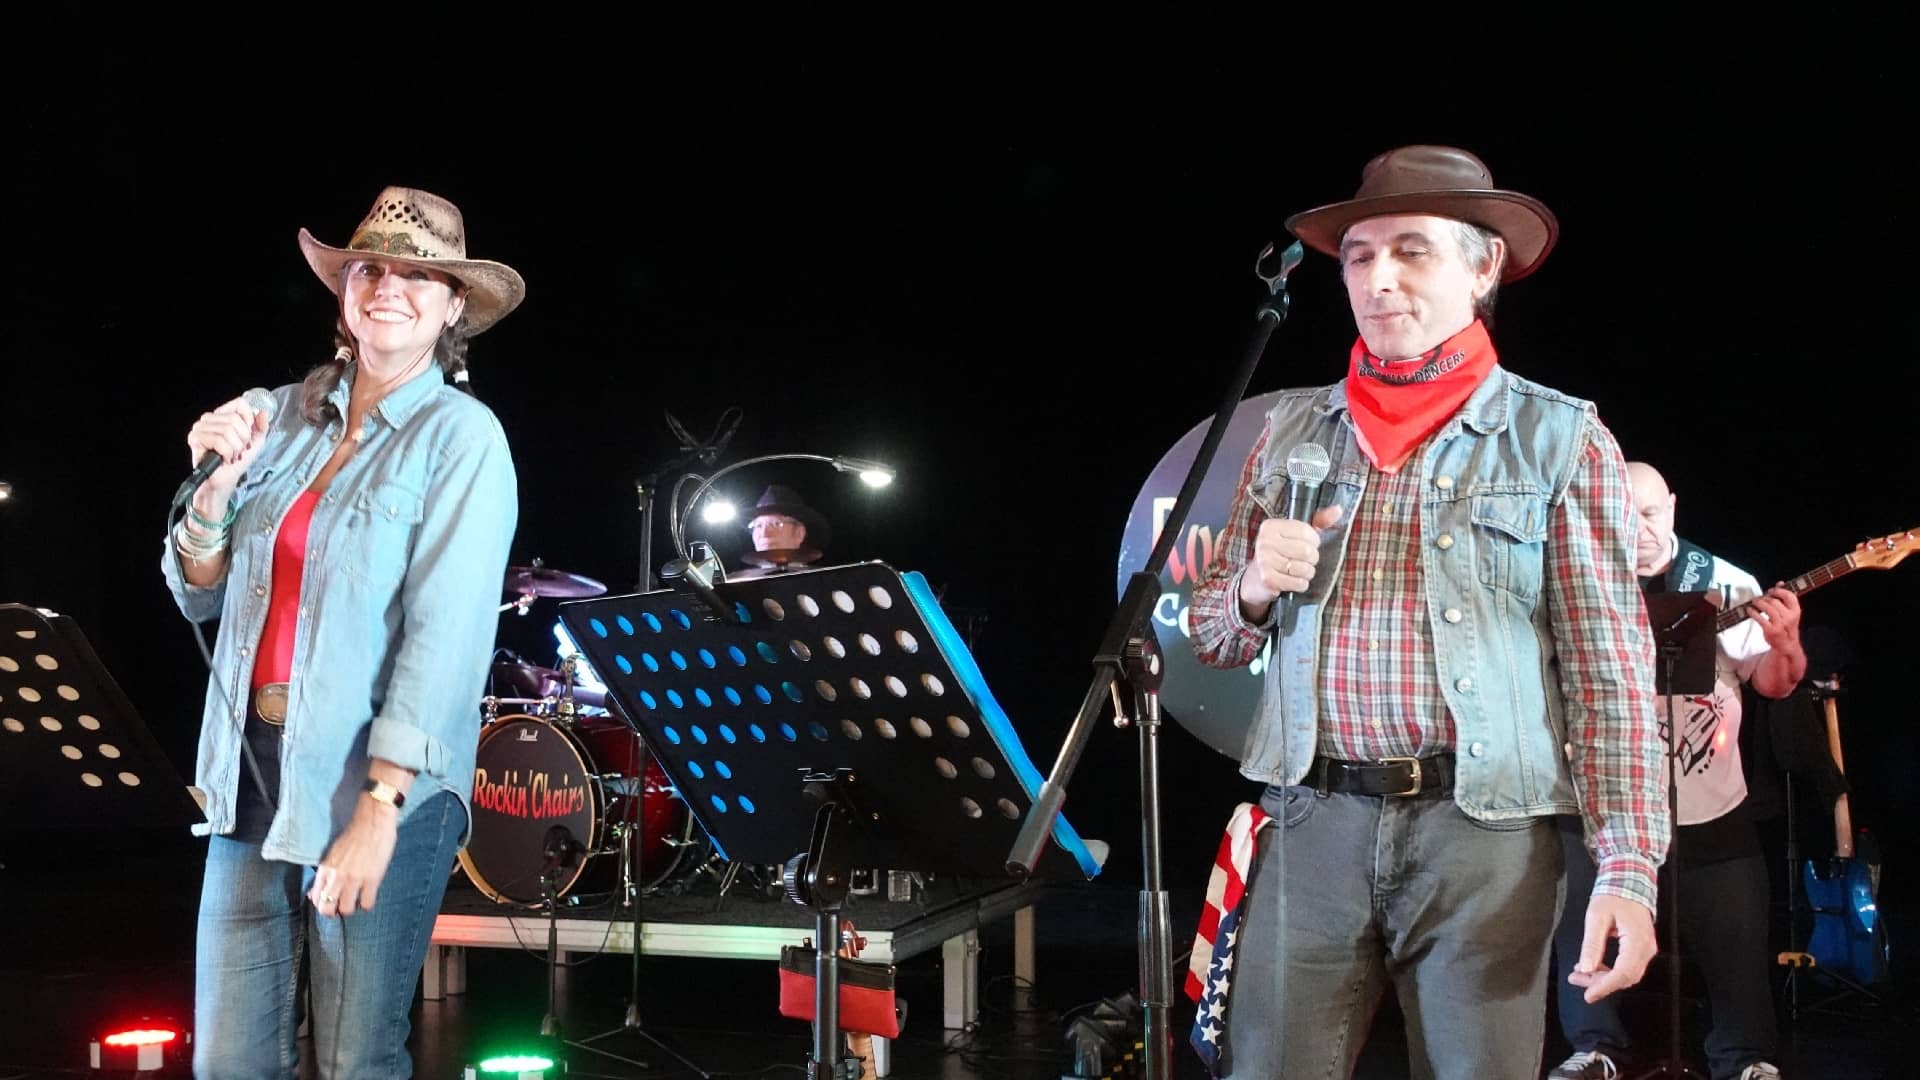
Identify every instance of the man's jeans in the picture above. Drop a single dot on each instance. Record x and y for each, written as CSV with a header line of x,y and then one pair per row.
x,y
1458,915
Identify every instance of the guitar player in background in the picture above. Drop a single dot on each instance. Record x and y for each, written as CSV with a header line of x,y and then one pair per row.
x,y
1724,913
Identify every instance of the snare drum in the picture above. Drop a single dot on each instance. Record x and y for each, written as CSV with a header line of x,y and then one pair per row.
x,y
534,774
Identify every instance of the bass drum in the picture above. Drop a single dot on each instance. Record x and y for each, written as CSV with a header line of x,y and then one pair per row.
x,y
541,786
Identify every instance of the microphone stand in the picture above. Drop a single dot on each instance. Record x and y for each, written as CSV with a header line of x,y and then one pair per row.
x,y
647,489
1671,639
1129,653
632,840
559,854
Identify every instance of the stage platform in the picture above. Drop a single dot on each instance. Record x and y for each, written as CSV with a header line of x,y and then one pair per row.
x,y
946,913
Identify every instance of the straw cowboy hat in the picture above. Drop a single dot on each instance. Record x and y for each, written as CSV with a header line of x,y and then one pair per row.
x,y
413,226
1438,180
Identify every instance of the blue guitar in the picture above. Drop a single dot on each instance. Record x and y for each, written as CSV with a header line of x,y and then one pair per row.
x,y
1849,938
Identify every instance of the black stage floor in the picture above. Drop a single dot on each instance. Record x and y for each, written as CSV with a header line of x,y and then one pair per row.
x,y
89,938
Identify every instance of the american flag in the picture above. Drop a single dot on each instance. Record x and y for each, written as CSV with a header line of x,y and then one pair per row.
x,y
1210,969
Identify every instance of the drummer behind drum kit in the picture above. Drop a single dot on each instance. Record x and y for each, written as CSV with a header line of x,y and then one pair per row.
x,y
557,808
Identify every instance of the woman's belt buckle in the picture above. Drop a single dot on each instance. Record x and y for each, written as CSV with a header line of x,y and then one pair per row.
x,y
270,701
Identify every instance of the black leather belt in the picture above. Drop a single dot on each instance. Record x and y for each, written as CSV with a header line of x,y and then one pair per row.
x,y
1396,776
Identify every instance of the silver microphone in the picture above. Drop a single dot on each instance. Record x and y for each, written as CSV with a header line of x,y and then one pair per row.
x,y
1307,466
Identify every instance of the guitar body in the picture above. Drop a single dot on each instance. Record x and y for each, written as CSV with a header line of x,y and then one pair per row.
x,y
1848,937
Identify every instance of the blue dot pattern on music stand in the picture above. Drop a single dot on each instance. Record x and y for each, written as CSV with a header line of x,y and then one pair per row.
x,y
852,668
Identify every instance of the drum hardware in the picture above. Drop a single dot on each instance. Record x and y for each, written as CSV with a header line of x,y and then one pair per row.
x,y
490,706
535,685
898,885
902,883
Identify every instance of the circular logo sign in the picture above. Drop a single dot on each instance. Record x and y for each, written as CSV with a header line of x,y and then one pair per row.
x,y
1215,705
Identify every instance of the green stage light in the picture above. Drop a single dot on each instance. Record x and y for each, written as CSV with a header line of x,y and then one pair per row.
x,y
512,1067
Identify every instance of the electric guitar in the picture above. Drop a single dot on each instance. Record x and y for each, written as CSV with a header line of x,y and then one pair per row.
x,y
1880,553
1848,936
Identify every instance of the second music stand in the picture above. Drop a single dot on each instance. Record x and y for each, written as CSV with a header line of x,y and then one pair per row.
x,y
73,752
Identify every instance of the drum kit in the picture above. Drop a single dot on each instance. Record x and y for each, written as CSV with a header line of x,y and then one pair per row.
x,y
561,806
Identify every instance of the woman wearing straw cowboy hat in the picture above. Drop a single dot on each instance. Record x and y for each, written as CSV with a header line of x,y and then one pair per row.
x,y
340,544
1463,655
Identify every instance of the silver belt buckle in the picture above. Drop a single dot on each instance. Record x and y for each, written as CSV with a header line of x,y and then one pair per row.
x,y
270,701
1412,762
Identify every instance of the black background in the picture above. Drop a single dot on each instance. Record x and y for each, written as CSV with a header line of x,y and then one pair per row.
x,y
1011,257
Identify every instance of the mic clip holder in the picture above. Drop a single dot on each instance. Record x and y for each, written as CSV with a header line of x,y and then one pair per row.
x,y
698,574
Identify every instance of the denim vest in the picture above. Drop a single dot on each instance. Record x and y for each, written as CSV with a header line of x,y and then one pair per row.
x,y
1490,476
399,596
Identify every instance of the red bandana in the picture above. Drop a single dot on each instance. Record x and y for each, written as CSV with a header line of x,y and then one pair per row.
x,y
1398,403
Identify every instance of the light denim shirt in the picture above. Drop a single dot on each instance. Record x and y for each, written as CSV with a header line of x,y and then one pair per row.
x,y
399,597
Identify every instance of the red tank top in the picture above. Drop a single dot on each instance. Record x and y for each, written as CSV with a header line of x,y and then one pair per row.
x,y
275,660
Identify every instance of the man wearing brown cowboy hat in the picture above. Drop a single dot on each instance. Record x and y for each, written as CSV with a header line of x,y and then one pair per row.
x,y
1459,653
787,533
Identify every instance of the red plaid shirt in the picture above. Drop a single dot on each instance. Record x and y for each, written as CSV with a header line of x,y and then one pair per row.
x,y
1379,690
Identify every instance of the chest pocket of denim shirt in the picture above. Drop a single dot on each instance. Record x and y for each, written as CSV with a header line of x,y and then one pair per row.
x,y
1510,534
246,495
380,524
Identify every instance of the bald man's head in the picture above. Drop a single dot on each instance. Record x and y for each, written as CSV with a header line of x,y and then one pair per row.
x,y
1653,504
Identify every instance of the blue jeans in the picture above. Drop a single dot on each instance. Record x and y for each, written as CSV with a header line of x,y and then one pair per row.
x,y
1455,914
257,929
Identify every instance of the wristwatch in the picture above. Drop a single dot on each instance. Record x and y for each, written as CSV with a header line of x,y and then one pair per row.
x,y
386,793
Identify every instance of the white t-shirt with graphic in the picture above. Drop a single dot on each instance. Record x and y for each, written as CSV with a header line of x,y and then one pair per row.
x,y
1711,778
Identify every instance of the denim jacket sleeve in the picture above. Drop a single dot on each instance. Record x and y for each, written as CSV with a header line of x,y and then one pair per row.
x,y
198,603
450,598
205,603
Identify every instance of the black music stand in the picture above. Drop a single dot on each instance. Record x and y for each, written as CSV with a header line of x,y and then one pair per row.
x,y
828,718
73,752
1683,634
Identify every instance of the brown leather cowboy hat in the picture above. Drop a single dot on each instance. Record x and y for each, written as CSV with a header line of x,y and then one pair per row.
x,y
413,226
1438,180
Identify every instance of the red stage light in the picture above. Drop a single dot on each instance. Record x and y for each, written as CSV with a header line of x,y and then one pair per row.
x,y
156,1047
141,1037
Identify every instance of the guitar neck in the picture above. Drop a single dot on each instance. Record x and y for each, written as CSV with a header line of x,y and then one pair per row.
x,y
1820,575
1842,813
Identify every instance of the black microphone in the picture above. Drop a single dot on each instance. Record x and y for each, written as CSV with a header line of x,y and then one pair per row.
x,y
559,848
698,573
261,401
1307,466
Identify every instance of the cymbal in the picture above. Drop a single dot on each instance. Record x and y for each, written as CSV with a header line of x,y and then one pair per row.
x,y
540,581
781,556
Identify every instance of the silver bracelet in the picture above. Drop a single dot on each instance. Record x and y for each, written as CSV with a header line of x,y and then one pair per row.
x,y
197,548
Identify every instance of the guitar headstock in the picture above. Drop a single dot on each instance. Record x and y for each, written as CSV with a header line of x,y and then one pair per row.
x,y
1883,552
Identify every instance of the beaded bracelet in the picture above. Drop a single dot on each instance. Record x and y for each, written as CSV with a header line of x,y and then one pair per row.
x,y
233,511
